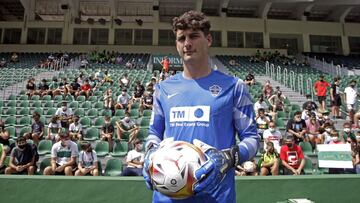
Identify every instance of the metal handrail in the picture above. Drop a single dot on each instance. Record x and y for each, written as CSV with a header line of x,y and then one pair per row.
x,y
272,70
301,83
267,68
309,86
292,80
278,73
285,78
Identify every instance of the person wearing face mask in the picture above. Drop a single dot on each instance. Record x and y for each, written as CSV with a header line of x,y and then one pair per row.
x,y
262,122
65,114
313,130
107,131
277,101
335,138
88,162
272,134
269,161
54,129
260,104
292,157
320,88
122,101
310,102
22,158
335,98
328,127
134,160
75,129
126,127
351,95
146,102
297,127
63,157
347,134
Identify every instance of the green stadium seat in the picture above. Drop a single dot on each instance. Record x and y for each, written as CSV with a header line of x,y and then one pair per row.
x,y
35,97
106,112
39,110
11,103
44,163
12,97
120,149
46,98
79,112
99,105
102,148
24,121
145,121
93,99
12,131
308,168
85,121
48,104
50,112
113,167
36,104
280,124
24,104
24,130
24,97
69,98
306,148
58,98
81,98
143,133
147,113
92,134
11,120
134,113
99,122
10,111
74,105
86,105
24,112
44,147
92,113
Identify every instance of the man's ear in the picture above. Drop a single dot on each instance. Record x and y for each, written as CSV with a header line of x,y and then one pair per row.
x,y
209,39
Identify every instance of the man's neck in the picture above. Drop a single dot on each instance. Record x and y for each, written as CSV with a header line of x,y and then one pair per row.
x,y
192,71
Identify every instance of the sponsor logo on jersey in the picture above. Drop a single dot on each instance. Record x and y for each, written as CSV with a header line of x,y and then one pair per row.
x,y
215,90
190,114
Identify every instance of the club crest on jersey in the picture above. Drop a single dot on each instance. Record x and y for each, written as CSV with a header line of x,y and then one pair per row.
x,y
215,90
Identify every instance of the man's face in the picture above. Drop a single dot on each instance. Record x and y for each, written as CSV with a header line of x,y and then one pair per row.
x,y
192,45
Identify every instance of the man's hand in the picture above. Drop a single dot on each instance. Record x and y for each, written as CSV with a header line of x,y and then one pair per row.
x,y
60,168
19,168
213,171
147,163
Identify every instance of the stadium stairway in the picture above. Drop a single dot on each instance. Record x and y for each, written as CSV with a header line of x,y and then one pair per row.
x,y
217,65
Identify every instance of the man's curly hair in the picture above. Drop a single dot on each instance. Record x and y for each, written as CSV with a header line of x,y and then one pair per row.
x,y
192,20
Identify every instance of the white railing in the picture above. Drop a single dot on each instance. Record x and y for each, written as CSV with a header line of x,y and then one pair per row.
x,y
309,86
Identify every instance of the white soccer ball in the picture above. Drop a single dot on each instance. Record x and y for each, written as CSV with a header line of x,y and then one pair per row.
x,y
249,166
173,169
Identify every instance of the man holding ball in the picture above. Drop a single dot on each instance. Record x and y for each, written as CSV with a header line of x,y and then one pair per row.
x,y
204,107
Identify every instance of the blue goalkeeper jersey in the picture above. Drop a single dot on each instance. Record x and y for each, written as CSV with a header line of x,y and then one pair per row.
x,y
211,109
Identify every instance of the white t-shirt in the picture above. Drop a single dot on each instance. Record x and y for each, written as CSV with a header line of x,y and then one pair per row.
x,y
87,159
64,154
54,127
134,155
274,137
123,99
125,81
61,112
351,94
75,128
259,105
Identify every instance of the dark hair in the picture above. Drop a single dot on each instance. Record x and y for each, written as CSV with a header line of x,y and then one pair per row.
x,y
336,79
297,113
192,20
21,139
84,145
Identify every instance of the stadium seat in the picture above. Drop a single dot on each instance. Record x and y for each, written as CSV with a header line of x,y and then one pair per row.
x,y
24,130
85,121
120,149
39,110
35,97
92,99
99,105
50,112
120,112
46,98
44,147
79,112
147,113
24,112
86,105
10,112
145,122
306,148
308,168
113,167
102,148
99,122
92,134
24,121
11,120
134,113
36,104
11,103
105,112
81,98
143,133
74,105
12,131
44,163
280,124
48,104
24,104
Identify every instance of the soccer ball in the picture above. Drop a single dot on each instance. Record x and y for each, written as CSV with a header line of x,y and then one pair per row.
x,y
173,169
249,166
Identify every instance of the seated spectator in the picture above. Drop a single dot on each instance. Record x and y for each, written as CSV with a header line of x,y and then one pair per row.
x,y
22,158
269,161
127,125
292,157
305,115
88,162
108,99
313,131
268,90
3,63
134,160
30,87
310,102
37,129
81,79
248,168
74,88
297,127
335,138
262,121
99,76
152,83
146,102
355,153
2,159
75,129
347,134
107,131
351,95
123,100
14,58
136,97
63,157
107,78
260,104
44,88
65,115
277,101
84,63
327,128
63,87
272,134
249,79
124,81
4,137
54,88
54,129
86,89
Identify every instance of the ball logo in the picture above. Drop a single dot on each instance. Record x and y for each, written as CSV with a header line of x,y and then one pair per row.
x,y
173,182
198,113
190,114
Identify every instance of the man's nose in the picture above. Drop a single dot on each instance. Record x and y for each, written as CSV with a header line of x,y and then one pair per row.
x,y
188,43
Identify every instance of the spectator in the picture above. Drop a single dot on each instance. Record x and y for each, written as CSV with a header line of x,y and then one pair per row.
x,y
86,89
84,63
63,157
250,79
351,94
63,87
44,88
328,127
335,98
54,129
99,76
320,88
297,127
127,125
4,137
269,161
248,168
31,87
268,90
88,162
310,102
107,78
262,121
55,88
3,63
22,158
14,58
292,157
74,88
37,129
335,138
305,115
108,99
347,134
272,134
124,82
165,64
136,97
75,129
123,100
65,115
260,104
2,159
277,101
355,149
134,160
107,131
313,131
146,102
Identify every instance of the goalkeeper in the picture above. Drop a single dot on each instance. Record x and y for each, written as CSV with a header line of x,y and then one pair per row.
x,y
204,107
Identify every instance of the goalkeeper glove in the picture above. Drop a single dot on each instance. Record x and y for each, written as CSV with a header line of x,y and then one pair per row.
x,y
218,163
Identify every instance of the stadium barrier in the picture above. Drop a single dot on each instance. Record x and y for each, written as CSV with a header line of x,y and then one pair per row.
x,y
56,189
